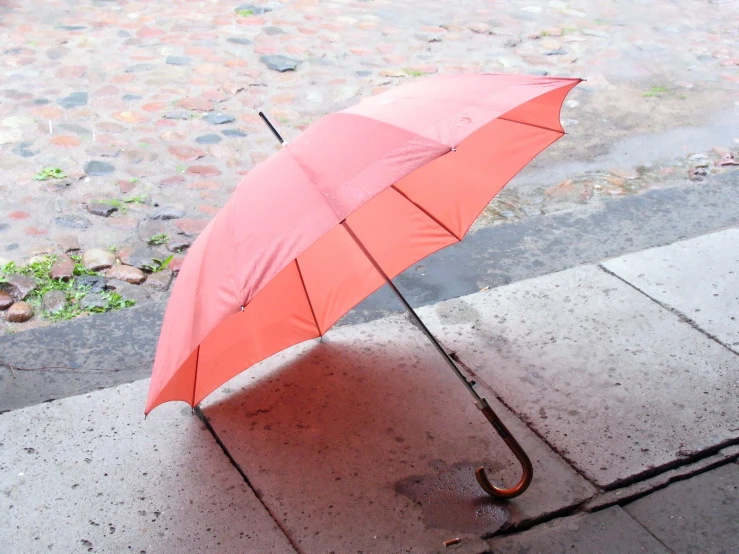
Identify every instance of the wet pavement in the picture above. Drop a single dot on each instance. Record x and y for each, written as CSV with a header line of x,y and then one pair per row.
x,y
364,441
674,277
88,474
685,515
149,109
151,106
611,361
388,442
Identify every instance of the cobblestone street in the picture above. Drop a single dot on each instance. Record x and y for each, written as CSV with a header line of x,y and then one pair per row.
x,y
124,126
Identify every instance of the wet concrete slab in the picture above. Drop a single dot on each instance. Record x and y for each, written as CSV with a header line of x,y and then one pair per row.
x,y
367,442
605,532
697,515
699,278
618,385
88,474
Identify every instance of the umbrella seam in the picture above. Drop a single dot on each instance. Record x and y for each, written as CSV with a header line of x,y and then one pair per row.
x,y
306,170
415,134
429,215
310,304
531,125
234,285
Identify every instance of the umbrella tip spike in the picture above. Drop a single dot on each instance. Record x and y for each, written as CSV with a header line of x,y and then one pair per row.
x,y
272,128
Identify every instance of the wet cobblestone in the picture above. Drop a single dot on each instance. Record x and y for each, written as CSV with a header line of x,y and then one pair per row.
x,y
148,104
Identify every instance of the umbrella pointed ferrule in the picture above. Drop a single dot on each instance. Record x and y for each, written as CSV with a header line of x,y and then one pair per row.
x,y
272,128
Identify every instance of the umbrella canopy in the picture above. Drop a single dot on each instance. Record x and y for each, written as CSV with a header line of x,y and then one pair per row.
x,y
358,197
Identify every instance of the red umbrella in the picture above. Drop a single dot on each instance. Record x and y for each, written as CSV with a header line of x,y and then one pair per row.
x,y
353,201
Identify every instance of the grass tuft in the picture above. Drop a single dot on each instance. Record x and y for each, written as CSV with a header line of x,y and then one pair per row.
x,y
40,270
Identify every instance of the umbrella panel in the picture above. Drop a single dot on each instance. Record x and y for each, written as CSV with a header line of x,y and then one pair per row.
x,y
421,213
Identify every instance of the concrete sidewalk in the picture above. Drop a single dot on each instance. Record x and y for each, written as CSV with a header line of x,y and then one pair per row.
x,y
621,379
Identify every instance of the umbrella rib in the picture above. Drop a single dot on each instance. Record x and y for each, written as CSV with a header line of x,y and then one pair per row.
x,y
531,125
310,304
195,380
429,215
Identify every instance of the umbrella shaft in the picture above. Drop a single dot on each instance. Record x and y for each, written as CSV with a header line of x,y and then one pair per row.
x,y
414,315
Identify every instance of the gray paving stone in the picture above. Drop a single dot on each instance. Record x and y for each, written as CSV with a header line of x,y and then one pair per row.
x,y
280,63
234,133
24,150
697,277
387,441
218,118
209,139
239,40
76,129
97,168
610,531
699,515
178,60
73,221
616,383
89,474
74,100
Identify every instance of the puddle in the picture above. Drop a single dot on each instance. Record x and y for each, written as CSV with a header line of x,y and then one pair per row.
x,y
450,498
644,149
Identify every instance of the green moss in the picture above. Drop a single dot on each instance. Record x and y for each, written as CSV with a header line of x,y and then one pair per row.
x,y
40,270
49,173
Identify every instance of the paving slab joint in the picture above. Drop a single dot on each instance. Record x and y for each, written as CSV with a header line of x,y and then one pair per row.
x,y
256,492
585,507
726,456
671,309
514,528
655,537
685,460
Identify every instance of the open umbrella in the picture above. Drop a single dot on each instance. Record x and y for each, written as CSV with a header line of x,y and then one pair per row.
x,y
353,201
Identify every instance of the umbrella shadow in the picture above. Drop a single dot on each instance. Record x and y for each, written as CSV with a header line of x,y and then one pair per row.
x,y
347,424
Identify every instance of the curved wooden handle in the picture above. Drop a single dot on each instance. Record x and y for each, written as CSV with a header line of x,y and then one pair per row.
x,y
528,470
